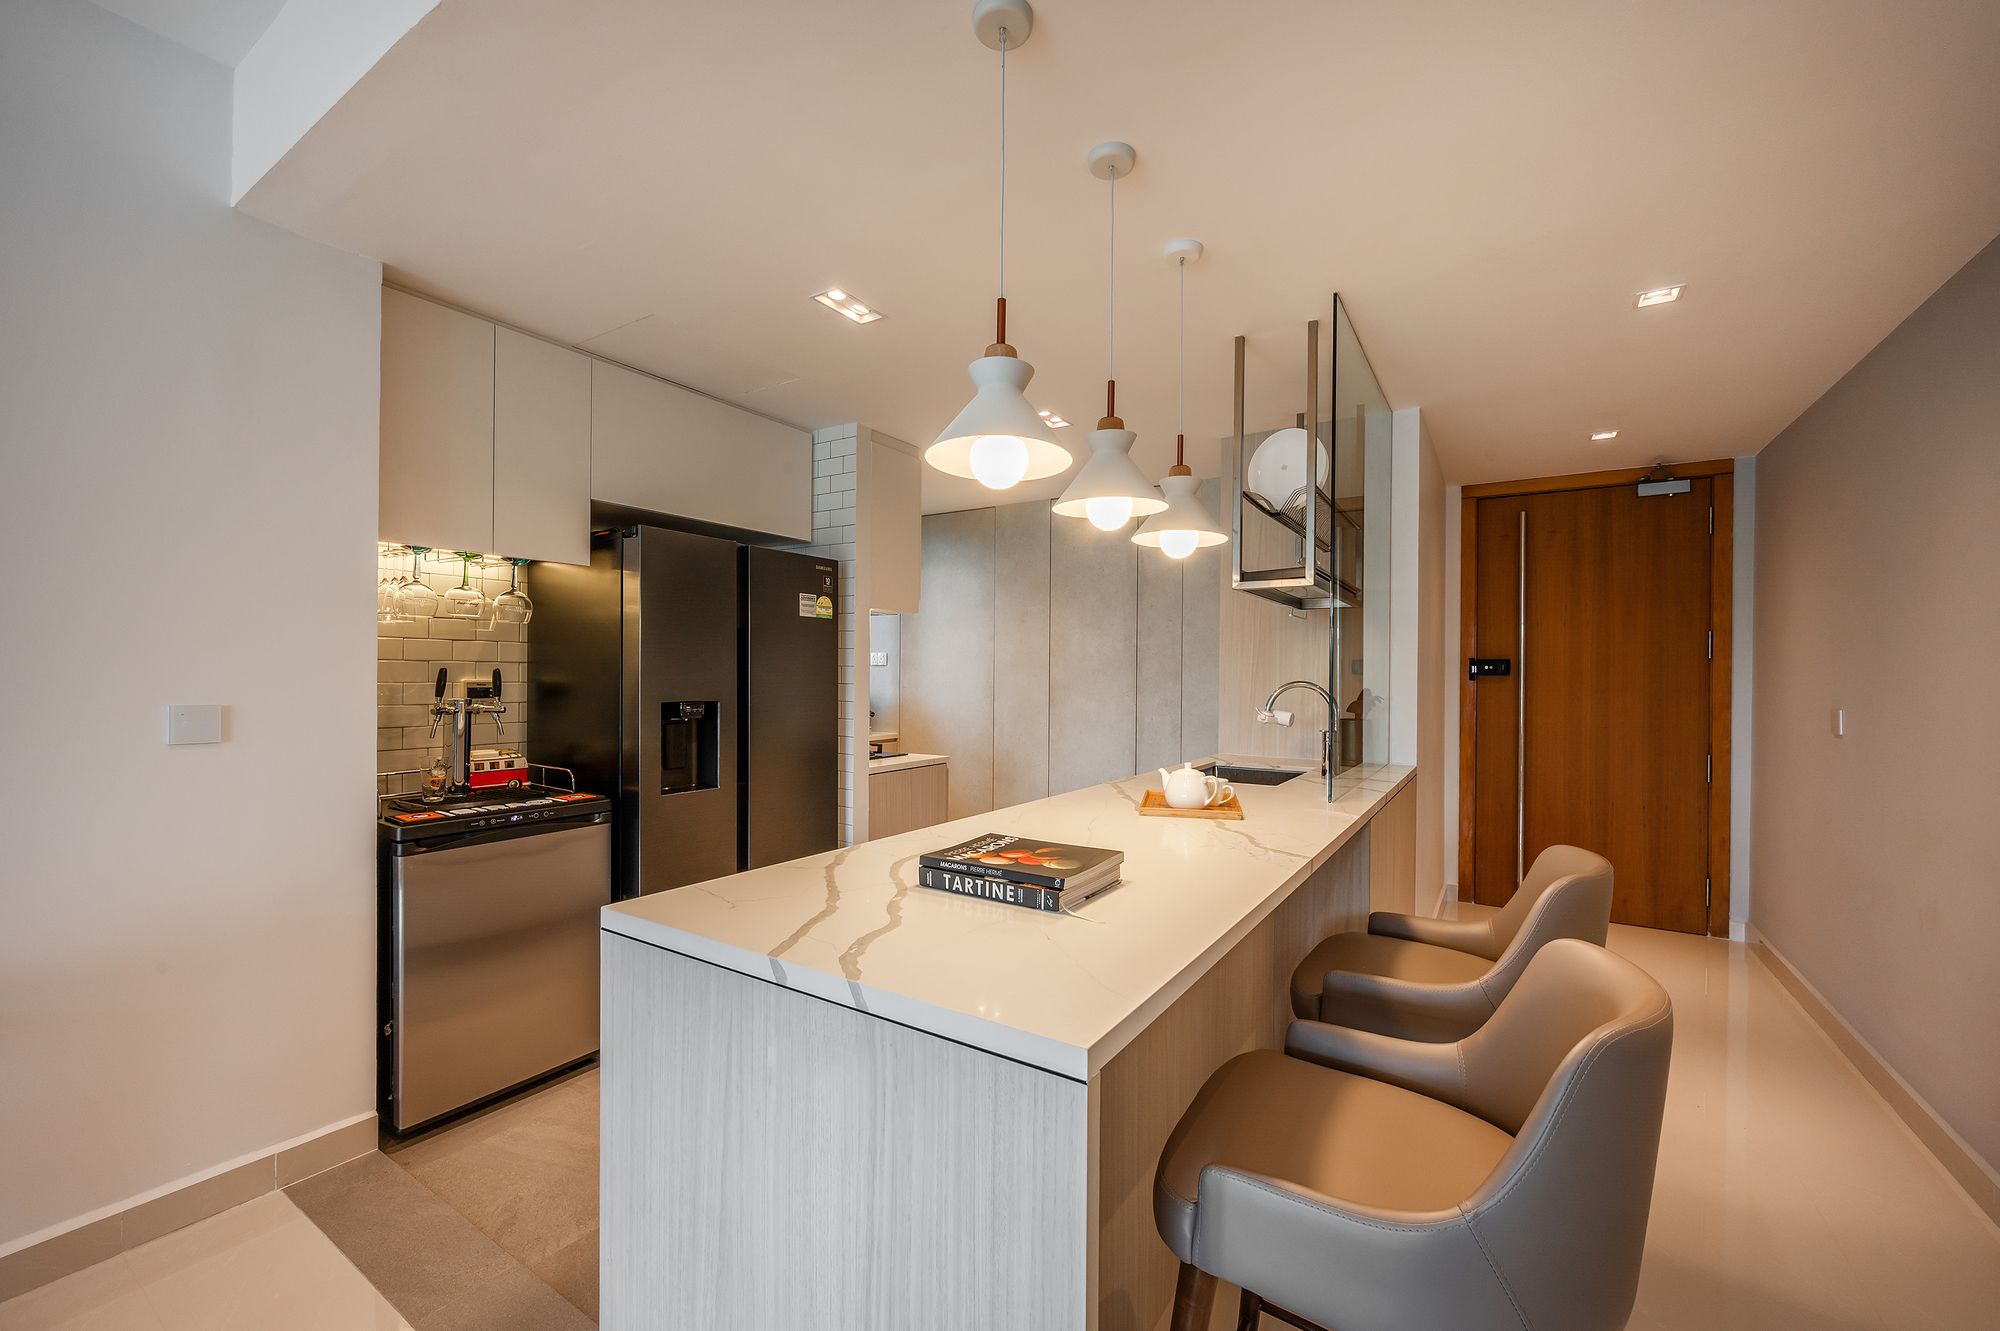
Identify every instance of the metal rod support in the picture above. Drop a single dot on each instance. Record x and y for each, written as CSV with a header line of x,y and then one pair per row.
x,y
1521,716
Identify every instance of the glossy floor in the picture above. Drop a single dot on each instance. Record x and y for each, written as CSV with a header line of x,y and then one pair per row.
x,y
1789,1197
256,1267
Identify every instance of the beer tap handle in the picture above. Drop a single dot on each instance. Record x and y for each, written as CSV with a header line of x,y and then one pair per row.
x,y
437,702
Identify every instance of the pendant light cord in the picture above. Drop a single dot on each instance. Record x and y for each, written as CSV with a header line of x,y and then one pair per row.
x,y
1111,282
1003,165
1180,383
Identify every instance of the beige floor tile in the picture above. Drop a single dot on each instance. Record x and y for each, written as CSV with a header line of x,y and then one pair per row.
x,y
525,1174
1788,1195
572,1272
516,1301
419,1252
259,1266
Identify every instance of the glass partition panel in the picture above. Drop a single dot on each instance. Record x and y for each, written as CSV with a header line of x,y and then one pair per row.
x,y
1360,425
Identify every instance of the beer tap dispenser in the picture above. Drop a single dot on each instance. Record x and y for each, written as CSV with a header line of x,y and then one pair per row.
x,y
461,711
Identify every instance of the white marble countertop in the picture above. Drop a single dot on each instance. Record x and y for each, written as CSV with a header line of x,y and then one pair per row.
x,y
902,761
1064,991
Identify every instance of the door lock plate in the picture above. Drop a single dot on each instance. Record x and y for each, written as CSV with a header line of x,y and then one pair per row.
x,y
1487,667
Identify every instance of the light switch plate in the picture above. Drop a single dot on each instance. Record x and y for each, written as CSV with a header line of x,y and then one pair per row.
x,y
194,723
878,658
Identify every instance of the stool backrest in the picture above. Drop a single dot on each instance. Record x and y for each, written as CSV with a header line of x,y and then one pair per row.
x,y
1574,1063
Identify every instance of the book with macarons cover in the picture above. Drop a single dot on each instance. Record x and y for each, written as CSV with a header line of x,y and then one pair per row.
x,y
1045,864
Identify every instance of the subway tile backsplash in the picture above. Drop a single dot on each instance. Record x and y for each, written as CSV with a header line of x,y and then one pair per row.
x,y
407,661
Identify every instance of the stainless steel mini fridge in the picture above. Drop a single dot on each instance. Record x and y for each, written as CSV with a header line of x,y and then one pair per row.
x,y
696,677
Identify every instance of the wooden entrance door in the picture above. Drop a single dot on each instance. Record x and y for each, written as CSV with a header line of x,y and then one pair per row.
x,y
1613,656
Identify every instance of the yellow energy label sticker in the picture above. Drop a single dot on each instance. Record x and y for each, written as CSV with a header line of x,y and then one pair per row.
x,y
823,608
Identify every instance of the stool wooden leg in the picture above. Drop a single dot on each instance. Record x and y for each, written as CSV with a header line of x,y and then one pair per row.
x,y
1194,1297
1249,1312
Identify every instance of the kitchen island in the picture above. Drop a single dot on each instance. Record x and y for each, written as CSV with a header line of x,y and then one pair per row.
x,y
836,1099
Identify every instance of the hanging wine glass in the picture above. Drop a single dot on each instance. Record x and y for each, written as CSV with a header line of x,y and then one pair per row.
x,y
513,606
390,584
414,599
463,601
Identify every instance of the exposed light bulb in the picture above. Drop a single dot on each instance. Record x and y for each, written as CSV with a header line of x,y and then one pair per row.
x,y
1179,544
999,461
836,294
1108,514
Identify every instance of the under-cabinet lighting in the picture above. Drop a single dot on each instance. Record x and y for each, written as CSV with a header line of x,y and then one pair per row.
x,y
1599,436
1055,422
845,305
1658,296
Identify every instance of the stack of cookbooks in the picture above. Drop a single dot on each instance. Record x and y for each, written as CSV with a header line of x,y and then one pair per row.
x,y
1021,871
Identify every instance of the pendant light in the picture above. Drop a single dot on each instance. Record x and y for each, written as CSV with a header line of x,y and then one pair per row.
x,y
1110,490
998,440
1186,525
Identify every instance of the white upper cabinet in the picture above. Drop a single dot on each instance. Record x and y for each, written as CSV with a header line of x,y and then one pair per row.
x,y
437,425
541,450
659,447
892,524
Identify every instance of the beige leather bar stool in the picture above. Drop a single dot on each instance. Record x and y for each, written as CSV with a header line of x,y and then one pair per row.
x,y
1426,979
1374,1184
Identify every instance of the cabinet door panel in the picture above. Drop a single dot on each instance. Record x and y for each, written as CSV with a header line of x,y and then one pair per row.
x,y
889,804
892,500
437,425
541,450
662,448
929,795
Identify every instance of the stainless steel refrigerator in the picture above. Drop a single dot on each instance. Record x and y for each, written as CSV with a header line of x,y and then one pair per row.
x,y
695,677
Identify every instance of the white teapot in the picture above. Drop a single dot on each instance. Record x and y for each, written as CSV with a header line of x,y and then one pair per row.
x,y
1186,788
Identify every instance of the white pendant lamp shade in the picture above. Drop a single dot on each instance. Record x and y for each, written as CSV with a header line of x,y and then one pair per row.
x,y
1184,525
1110,490
998,440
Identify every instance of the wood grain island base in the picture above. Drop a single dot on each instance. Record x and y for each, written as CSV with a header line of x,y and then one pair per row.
x,y
835,1099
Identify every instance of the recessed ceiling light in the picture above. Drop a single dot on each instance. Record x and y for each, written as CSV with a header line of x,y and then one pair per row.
x,y
1658,296
1055,422
1601,435
847,306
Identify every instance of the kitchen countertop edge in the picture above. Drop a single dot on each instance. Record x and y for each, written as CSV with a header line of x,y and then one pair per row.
x,y
1076,1061
903,762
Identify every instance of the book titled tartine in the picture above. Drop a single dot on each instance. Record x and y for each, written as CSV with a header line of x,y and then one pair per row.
x,y
1021,871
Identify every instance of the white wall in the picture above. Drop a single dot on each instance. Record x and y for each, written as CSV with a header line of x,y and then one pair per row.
x,y
186,935
1742,692
1416,638
307,60
1454,511
1877,855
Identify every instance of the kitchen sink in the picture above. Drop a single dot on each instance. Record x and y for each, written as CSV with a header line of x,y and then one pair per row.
x,y
1253,776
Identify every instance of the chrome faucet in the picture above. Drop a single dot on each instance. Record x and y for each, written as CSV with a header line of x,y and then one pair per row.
x,y
1265,713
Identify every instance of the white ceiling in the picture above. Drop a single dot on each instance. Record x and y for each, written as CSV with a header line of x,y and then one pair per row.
x,y
222,30
1487,184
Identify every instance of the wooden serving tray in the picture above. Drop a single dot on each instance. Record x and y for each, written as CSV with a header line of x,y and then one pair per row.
x,y
1156,805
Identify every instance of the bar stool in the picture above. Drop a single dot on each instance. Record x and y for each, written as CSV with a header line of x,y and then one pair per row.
x,y
1366,1183
1426,979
